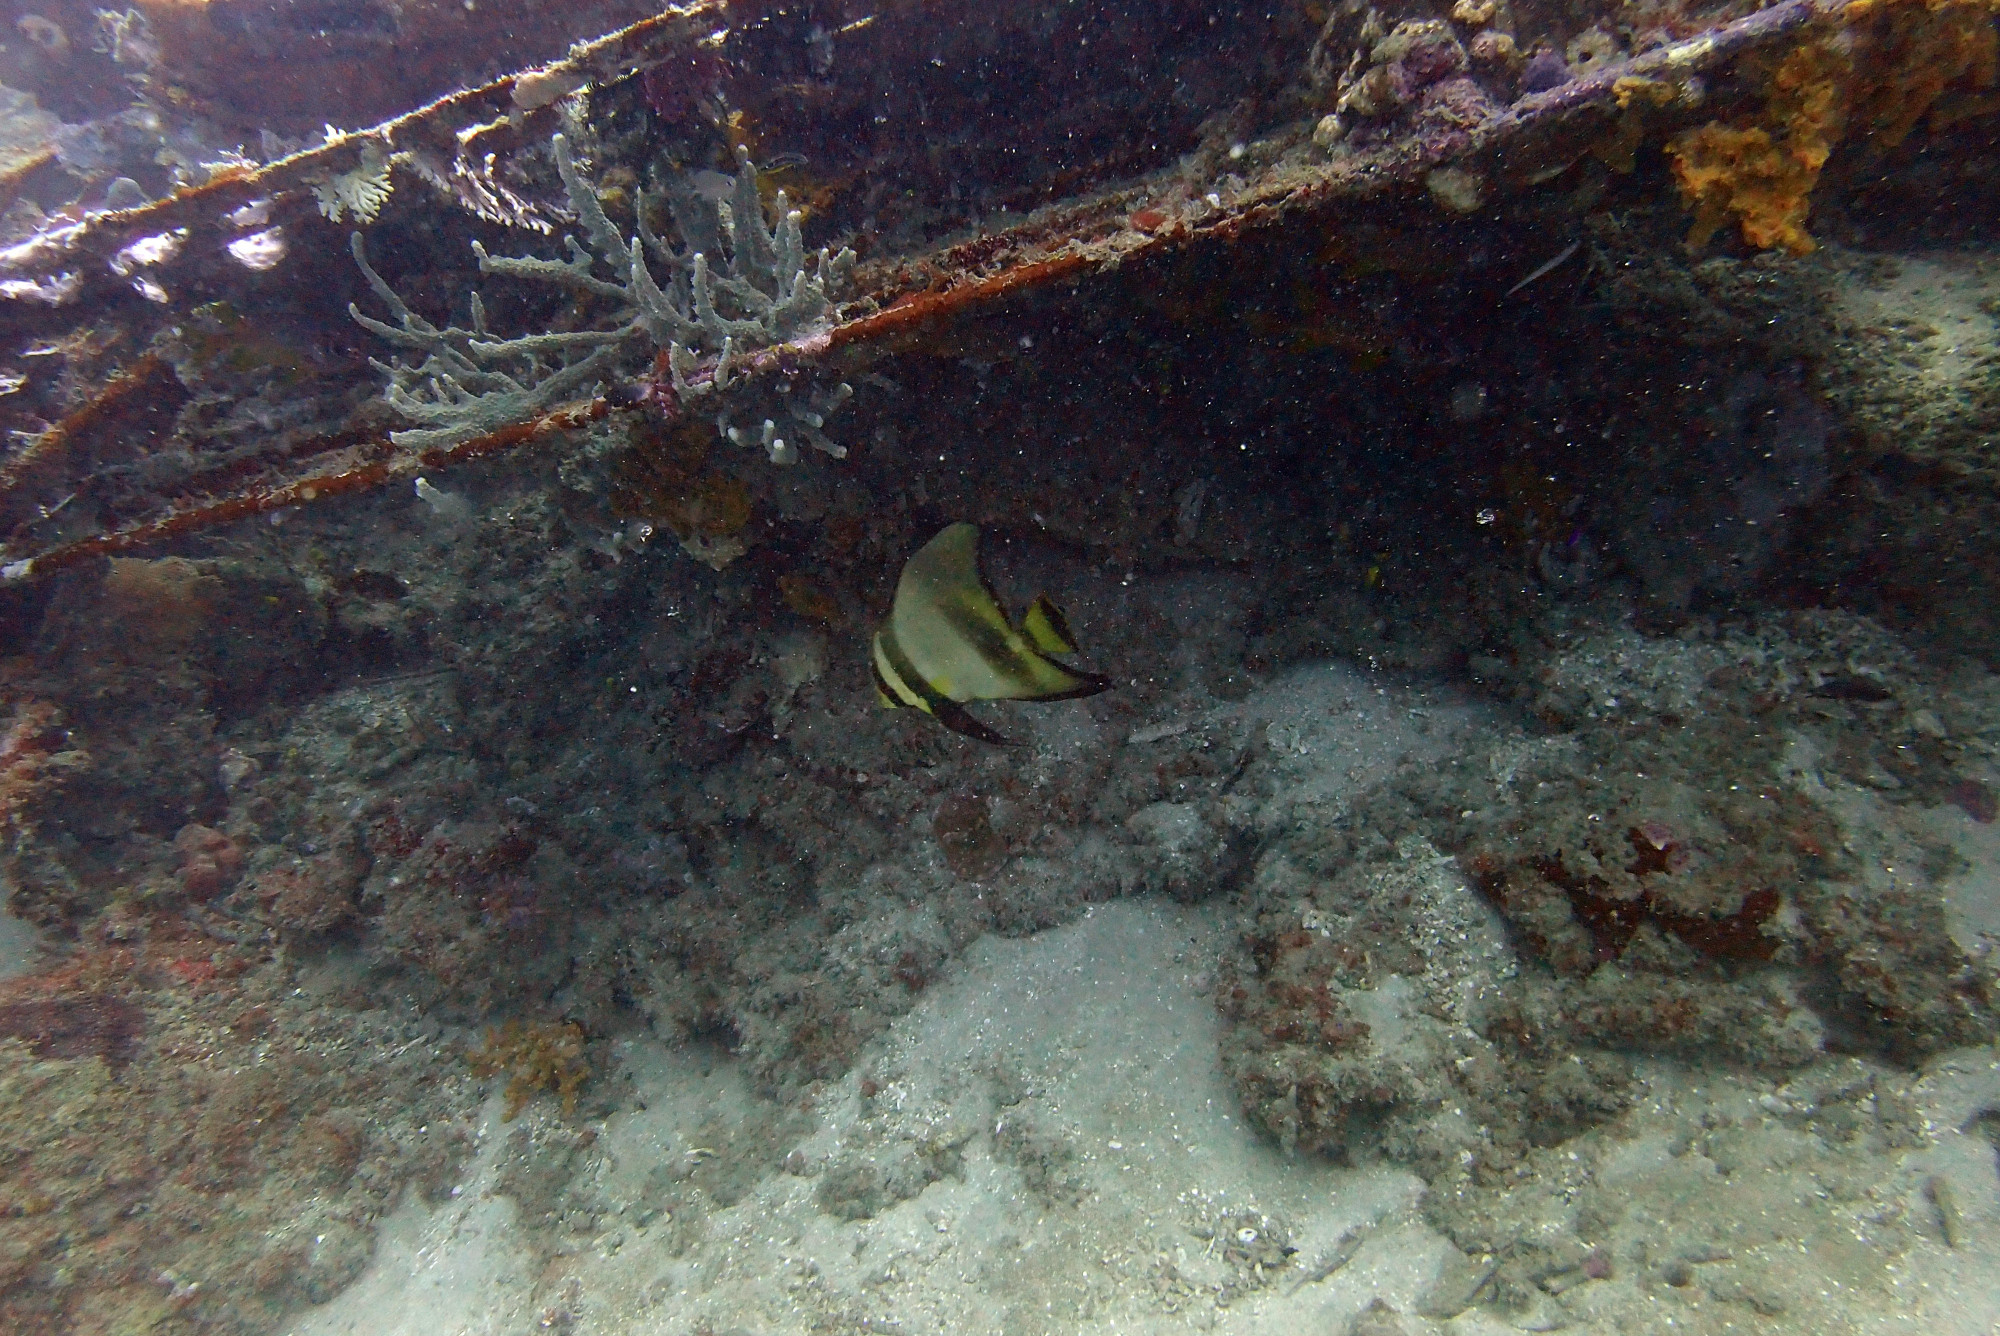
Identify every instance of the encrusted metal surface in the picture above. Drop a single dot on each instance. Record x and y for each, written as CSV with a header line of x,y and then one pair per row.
x,y
962,178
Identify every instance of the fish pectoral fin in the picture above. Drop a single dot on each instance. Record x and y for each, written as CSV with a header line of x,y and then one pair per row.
x,y
1046,628
959,720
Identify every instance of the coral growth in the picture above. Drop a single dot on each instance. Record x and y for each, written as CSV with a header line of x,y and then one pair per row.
x,y
209,861
1352,1030
311,897
1762,175
464,911
174,1107
1674,913
1936,57
458,392
1659,854
663,480
737,285
543,1056
1896,61
35,759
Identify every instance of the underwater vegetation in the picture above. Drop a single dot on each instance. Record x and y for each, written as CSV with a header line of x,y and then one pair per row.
x,y
728,297
546,1056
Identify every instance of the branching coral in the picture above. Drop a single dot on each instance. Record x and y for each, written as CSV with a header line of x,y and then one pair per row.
x,y
459,392
1895,61
737,284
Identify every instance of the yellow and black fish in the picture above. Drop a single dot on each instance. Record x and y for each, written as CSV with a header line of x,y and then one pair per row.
x,y
948,642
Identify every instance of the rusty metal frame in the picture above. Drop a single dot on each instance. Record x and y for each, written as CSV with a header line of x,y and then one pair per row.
x,y
901,297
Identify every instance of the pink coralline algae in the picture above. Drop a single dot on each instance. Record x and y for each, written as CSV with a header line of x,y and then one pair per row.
x,y
1405,63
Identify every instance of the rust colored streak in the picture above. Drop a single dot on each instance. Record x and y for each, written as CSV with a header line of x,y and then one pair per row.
x,y
919,309
59,436
635,47
82,1025
194,518
562,419
305,491
1738,936
239,472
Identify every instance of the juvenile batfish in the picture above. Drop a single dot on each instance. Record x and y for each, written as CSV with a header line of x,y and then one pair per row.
x,y
947,641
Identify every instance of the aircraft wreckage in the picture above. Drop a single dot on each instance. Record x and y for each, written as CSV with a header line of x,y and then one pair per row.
x,y
725,207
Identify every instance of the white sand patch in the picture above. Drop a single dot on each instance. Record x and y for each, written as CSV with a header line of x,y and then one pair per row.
x,y
1070,1085
1113,1205
460,1270
1940,298
1972,895
19,945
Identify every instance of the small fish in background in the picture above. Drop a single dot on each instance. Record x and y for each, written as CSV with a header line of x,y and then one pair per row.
x,y
948,641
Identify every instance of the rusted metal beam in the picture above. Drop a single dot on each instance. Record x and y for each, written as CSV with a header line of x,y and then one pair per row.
x,y
904,297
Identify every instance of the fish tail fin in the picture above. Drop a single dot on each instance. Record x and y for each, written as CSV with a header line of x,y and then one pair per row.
x,y
1087,684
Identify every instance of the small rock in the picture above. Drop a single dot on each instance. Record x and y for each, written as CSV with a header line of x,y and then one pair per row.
x,y
1544,70
1541,1314
1457,189
210,862
1377,1319
1459,1282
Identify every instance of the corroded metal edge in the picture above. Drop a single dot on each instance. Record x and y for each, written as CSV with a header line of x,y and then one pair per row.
x,y
905,296
487,118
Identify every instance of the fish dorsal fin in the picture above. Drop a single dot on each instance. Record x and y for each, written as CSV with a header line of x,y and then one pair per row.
x,y
1046,627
